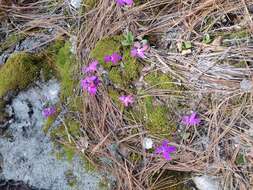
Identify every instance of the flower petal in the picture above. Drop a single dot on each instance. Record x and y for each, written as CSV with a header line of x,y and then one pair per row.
x,y
166,155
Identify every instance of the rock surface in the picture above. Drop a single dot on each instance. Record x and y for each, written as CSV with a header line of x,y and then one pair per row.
x,y
28,155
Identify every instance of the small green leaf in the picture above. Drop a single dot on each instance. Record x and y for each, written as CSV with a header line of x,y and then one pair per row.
x,y
240,159
187,45
129,39
207,39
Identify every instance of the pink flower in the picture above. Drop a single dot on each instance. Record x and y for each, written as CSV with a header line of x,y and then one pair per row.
x,y
90,84
47,112
191,120
114,58
92,67
139,50
165,149
124,2
126,100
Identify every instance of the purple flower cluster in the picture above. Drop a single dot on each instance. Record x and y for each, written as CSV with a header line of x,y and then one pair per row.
x,y
191,120
114,58
139,50
165,149
91,81
49,111
124,2
126,100
91,68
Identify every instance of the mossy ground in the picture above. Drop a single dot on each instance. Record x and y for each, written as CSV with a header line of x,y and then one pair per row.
x,y
156,118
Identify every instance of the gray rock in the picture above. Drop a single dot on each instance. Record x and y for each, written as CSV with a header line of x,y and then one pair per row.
x,y
29,157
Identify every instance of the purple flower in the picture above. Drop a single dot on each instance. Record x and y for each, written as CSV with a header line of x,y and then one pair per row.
x,y
165,149
92,67
114,58
90,84
139,50
47,112
191,120
126,100
124,2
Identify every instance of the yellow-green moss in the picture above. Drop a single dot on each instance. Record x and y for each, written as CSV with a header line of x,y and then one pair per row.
x,y
159,80
89,166
122,75
64,63
243,33
116,77
70,178
19,71
90,4
50,120
157,118
114,95
131,67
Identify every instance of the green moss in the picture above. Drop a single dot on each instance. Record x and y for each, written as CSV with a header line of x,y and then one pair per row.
x,y
106,46
159,80
48,124
114,95
158,118
70,178
18,72
135,157
90,4
122,75
131,67
236,34
69,153
116,77
64,63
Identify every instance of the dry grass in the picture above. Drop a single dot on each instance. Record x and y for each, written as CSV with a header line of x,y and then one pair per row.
x,y
209,74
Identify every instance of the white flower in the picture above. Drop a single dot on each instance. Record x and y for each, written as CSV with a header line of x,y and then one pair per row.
x,y
147,143
76,3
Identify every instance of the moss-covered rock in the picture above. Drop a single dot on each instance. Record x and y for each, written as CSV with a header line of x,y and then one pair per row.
x,y
19,71
11,41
